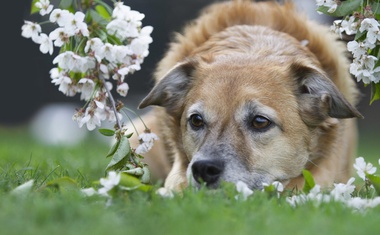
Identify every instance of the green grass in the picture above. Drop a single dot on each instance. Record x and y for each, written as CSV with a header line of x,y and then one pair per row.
x,y
50,211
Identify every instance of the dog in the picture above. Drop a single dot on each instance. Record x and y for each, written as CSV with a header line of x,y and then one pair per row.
x,y
252,92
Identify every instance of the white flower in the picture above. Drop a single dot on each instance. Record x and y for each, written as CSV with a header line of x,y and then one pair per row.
x,y
146,142
23,188
369,62
165,192
134,17
120,10
86,87
243,190
68,60
315,195
88,191
59,36
45,7
93,44
104,72
373,36
148,136
75,23
31,30
278,187
358,49
55,73
363,203
296,200
328,3
65,83
349,26
121,29
78,116
342,192
143,148
46,44
120,52
63,59
369,24
145,34
107,114
61,17
122,89
92,118
107,51
122,72
109,183
336,27
139,47
363,168
125,23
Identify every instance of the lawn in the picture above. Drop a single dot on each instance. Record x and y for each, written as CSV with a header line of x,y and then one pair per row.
x,y
48,210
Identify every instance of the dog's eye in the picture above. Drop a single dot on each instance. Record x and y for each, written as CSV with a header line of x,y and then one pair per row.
x,y
196,121
260,122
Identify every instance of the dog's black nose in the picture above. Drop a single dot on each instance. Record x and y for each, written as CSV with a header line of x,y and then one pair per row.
x,y
207,171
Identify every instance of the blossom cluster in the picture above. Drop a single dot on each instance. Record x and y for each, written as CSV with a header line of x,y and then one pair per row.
x,y
341,192
330,4
146,140
362,28
363,65
91,54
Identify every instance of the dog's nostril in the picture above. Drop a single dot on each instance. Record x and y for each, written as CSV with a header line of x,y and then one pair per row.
x,y
207,171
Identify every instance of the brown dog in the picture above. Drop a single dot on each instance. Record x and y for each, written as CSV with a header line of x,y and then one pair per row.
x,y
253,92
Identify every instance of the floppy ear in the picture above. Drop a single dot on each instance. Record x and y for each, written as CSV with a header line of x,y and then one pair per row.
x,y
319,98
170,90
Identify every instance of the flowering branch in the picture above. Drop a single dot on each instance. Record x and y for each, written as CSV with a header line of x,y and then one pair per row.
x,y
97,43
361,20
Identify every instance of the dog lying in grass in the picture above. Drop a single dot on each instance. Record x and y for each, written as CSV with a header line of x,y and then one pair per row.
x,y
252,92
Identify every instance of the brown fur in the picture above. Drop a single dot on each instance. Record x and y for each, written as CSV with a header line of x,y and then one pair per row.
x,y
226,66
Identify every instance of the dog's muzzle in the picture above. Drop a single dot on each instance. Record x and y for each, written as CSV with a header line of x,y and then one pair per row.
x,y
207,171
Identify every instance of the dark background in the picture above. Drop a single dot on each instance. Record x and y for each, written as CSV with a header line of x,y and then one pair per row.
x,y
25,81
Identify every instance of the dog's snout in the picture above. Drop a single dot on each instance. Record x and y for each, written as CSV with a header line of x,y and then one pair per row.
x,y
207,171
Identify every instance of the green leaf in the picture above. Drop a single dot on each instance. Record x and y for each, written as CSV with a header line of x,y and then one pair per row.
x,y
375,92
129,181
96,17
360,35
129,135
145,178
103,12
309,181
64,183
101,34
106,132
344,9
121,155
375,6
114,40
65,4
375,181
113,149
105,5
33,8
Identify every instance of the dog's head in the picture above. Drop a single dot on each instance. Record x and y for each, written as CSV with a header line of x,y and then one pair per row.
x,y
247,119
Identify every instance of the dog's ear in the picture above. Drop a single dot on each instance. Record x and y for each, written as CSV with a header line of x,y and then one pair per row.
x,y
170,90
319,98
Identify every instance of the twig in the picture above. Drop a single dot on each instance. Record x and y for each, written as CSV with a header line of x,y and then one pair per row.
x,y
113,104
